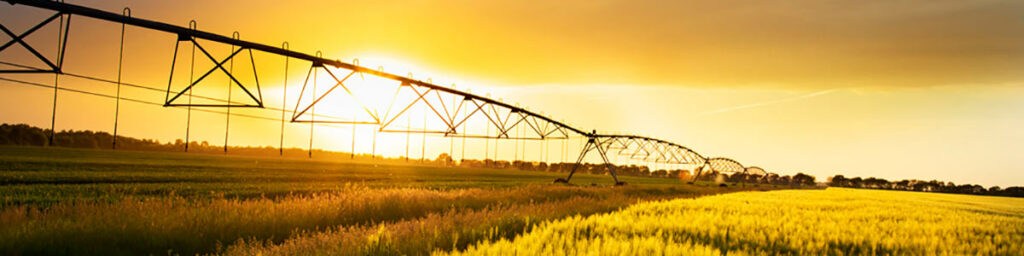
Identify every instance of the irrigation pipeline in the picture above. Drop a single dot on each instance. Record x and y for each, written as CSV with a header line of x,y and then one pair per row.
x,y
517,119
35,84
97,79
192,33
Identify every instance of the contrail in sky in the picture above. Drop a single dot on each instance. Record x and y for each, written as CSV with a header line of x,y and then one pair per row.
x,y
799,97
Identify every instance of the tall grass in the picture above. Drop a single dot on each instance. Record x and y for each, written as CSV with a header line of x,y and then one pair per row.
x,y
187,226
438,231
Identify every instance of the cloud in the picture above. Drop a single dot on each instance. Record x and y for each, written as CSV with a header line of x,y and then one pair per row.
x,y
772,102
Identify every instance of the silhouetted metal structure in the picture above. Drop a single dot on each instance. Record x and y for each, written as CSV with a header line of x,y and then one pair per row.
x,y
754,170
451,107
53,65
719,165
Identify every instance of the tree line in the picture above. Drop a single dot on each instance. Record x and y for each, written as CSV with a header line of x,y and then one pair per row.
x,y
26,135
799,179
923,186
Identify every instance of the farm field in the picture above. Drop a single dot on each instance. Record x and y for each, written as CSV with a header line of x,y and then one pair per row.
x,y
451,128
58,201
792,222
47,175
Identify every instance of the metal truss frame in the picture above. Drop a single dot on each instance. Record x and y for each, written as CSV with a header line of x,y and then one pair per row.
x,y
445,106
55,66
637,148
601,144
503,116
652,150
338,82
754,170
720,165
219,65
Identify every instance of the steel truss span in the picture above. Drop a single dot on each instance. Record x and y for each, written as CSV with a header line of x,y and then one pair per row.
x,y
446,105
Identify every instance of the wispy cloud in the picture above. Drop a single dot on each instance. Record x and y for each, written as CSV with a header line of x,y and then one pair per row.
x,y
760,104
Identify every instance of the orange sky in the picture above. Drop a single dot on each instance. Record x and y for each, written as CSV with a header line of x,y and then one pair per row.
x,y
893,89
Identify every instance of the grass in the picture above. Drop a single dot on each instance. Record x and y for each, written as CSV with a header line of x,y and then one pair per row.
x,y
58,201
41,176
792,222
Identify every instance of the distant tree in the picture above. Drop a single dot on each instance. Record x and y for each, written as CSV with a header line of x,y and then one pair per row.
x,y
902,185
875,183
1013,191
838,181
709,175
502,164
784,180
856,182
671,173
444,159
684,175
659,173
803,179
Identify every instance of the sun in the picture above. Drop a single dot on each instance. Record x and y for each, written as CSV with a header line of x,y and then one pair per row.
x,y
366,97
372,101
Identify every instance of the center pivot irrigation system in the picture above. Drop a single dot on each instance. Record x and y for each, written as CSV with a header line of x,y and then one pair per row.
x,y
454,113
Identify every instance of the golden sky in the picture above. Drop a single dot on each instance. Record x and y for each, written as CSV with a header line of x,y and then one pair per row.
x,y
785,44
893,89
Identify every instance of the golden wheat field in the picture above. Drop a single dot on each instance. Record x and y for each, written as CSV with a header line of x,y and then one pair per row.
x,y
834,221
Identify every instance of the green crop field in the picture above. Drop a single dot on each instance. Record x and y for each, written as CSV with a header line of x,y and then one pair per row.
x,y
58,201
47,175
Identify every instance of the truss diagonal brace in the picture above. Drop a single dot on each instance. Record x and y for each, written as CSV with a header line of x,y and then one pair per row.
x,y
169,101
55,66
593,142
